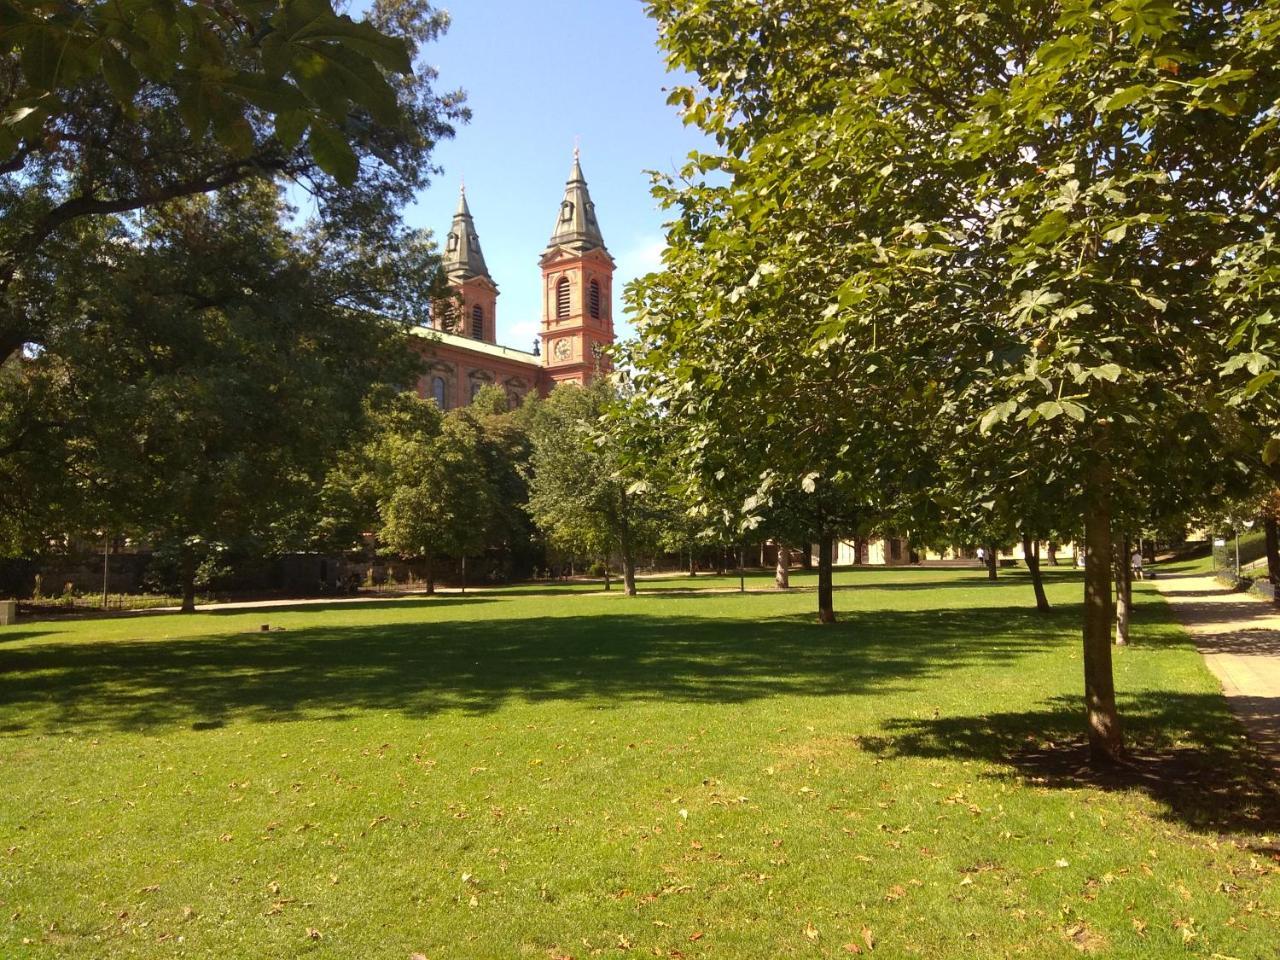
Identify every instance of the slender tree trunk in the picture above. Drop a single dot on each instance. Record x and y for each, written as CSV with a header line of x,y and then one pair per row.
x,y
106,570
628,553
806,558
464,573
608,583
1106,742
742,573
1052,550
826,604
991,562
1124,590
782,572
1031,553
693,565
187,570
431,575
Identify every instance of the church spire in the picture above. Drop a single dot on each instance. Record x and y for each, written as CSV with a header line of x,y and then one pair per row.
x,y
576,227
462,256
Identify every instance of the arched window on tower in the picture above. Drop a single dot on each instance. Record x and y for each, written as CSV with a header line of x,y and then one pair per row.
x,y
438,392
562,298
593,300
477,322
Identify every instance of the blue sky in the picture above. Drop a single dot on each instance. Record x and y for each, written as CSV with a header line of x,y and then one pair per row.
x,y
537,75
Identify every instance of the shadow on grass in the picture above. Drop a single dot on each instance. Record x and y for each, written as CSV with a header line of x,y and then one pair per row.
x,y
419,668
1187,753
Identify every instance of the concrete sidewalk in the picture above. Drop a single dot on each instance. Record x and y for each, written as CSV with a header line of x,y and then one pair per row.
x,y
1239,636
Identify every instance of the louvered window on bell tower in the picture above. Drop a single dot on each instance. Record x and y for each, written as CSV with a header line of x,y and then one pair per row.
x,y
593,300
477,322
562,298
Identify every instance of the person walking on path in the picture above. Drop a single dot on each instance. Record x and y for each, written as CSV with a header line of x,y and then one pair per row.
x,y
1136,561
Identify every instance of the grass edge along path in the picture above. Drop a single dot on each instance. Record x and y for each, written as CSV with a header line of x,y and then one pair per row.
x,y
542,774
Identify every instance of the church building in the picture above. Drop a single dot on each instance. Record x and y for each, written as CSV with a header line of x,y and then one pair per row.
x,y
577,311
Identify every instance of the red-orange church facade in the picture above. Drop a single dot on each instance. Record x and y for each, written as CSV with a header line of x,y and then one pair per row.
x,y
577,311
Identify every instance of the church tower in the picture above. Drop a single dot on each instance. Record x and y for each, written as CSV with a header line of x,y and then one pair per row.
x,y
469,277
577,289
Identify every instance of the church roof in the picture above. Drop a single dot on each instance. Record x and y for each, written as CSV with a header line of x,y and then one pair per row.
x,y
463,258
576,226
477,346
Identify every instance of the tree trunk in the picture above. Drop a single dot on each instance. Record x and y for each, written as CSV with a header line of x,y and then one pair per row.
x,y
464,573
782,572
1052,550
806,558
991,562
608,583
693,565
1106,742
826,605
106,570
1124,590
431,575
1272,530
187,570
1031,553
629,572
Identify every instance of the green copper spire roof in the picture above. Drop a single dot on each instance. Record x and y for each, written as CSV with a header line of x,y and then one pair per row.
x,y
462,256
576,226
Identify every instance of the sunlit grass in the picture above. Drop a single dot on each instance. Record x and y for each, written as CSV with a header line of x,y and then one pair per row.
x,y
549,771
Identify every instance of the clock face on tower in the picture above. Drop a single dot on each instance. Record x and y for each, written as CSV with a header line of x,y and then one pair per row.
x,y
562,349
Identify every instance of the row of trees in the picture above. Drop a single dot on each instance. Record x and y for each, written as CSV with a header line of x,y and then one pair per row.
x,y
972,265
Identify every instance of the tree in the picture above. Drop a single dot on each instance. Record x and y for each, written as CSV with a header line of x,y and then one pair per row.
x,y
195,407
740,344
440,496
580,494
1028,204
112,107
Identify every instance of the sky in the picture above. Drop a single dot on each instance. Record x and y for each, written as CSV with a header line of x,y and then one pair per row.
x,y
537,76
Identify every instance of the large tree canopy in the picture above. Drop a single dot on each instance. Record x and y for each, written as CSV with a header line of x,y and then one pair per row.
x,y
114,106
187,405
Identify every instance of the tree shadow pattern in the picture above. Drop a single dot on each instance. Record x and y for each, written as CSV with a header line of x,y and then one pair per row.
x,y
1188,752
420,667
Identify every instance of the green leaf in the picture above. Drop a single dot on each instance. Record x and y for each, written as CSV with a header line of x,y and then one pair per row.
x,y
120,75
1271,451
1260,382
1049,410
290,126
1073,410
1123,98
332,152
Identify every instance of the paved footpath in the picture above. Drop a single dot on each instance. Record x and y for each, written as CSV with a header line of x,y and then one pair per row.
x,y
1239,636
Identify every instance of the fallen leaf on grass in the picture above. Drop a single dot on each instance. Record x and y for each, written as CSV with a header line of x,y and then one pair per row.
x,y
695,937
811,931
313,933
852,948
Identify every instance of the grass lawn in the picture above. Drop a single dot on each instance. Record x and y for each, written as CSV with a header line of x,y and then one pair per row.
x,y
547,773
